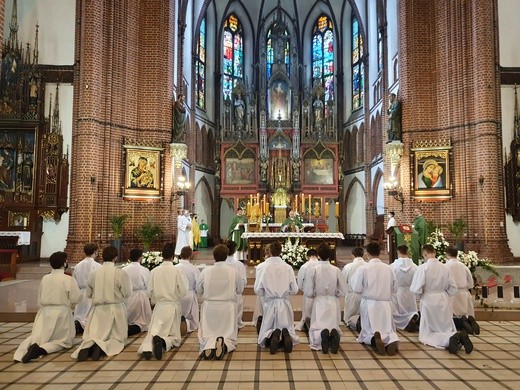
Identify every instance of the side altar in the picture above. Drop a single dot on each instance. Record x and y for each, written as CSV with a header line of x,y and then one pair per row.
x,y
257,241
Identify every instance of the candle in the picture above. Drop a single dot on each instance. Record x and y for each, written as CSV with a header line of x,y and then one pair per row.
x,y
266,208
326,210
337,209
310,204
251,198
257,198
303,204
316,209
248,209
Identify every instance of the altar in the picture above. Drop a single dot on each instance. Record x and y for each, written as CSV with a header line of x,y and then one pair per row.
x,y
257,241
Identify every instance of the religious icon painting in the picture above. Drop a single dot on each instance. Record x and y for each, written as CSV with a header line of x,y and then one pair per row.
x,y
142,179
431,172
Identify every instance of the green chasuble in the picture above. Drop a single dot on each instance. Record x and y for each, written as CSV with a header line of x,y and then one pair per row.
x,y
419,224
293,224
235,234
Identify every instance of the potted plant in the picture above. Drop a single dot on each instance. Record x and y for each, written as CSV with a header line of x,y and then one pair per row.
x,y
117,222
456,228
149,233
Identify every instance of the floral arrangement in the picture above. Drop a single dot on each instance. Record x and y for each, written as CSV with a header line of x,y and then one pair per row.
x,y
294,254
436,239
472,261
151,259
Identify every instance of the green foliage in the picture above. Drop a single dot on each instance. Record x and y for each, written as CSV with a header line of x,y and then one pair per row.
x,y
149,233
118,222
456,228
432,226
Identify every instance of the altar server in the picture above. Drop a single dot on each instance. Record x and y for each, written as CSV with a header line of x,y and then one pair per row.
x,y
184,234
258,312
53,328
107,327
325,284
189,302
375,282
139,311
312,261
434,285
275,284
168,285
240,269
352,299
219,286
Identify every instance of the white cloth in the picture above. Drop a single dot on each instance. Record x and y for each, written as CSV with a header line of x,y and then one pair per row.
x,y
375,281
189,302
81,273
183,234
259,302
168,285
306,302
219,285
240,270
462,302
139,311
352,299
53,327
324,284
107,326
391,222
433,283
403,300
275,283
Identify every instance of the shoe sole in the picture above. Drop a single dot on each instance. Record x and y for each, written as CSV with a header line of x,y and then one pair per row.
x,y
184,328
474,325
219,348
287,341
83,355
96,352
453,345
258,324
467,344
392,349
325,341
275,339
208,354
334,341
380,346
30,354
157,347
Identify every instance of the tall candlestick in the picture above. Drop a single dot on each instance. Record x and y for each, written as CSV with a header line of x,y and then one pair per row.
x,y
337,209
303,204
267,208
326,209
310,204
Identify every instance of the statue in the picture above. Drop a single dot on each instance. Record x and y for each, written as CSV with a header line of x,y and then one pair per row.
x,y
296,169
394,118
318,113
263,170
179,118
239,112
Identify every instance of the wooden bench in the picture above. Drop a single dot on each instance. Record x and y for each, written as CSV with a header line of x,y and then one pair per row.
x,y
8,256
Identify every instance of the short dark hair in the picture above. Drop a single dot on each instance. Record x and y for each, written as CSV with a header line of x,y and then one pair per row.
x,y
312,252
57,259
220,252
232,247
135,254
451,251
402,249
324,251
428,248
168,251
392,213
90,248
373,249
110,253
358,251
276,248
186,252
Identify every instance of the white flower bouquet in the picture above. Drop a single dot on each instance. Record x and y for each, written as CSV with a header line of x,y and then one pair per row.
x,y
472,261
294,254
151,260
436,239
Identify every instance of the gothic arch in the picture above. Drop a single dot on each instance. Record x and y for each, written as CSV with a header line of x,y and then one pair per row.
x,y
204,208
377,191
353,216
352,147
361,144
346,152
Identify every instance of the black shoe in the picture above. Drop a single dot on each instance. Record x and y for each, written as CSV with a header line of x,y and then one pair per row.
x,y
334,341
412,325
325,341
31,353
208,354
184,326
453,346
79,328
147,355
157,343
84,354
220,348
466,325
307,325
392,348
378,343
96,352
133,330
466,342
258,324
358,325
274,340
474,325
286,341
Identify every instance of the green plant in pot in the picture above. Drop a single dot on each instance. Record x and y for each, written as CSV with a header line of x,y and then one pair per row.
x,y
117,222
149,233
456,228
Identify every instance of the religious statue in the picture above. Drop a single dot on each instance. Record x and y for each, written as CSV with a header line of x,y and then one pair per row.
x,y
263,169
296,169
179,118
394,118
318,113
239,112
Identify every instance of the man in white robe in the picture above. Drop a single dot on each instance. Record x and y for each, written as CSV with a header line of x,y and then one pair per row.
x,y
375,282
139,311
352,299
404,303
434,285
325,285
390,224
168,285
258,312
274,285
107,327
219,285
53,328
189,302
312,261
240,269
462,302
183,232
81,273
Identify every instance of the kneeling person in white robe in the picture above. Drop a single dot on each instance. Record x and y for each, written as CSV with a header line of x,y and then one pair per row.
x,y
107,327
312,261
325,284
219,286
53,328
189,302
168,285
139,311
434,285
240,269
375,282
352,299
275,284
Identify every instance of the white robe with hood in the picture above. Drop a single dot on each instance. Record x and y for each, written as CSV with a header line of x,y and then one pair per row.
x,y
139,311
306,301
189,302
403,300
462,302
81,273
240,270
352,299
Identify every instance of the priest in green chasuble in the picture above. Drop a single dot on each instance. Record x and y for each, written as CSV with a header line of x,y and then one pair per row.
x,y
236,229
292,224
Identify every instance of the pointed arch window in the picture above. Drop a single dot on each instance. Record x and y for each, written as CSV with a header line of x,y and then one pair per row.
x,y
233,53
201,66
358,71
323,55
274,36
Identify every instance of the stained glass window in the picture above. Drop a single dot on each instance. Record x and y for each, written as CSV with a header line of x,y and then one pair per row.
x,y
323,55
358,72
201,66
233,52
270,50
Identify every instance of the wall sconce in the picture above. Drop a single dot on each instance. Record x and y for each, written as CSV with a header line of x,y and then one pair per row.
x,y
394,190
183,186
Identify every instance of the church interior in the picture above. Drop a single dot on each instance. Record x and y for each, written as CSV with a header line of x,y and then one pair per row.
x,y
341,111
